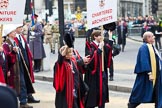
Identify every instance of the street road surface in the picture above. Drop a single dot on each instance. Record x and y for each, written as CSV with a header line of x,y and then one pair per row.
x,y
46,93
123,75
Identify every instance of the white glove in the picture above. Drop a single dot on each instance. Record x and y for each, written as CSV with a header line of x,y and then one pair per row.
x,y
32,33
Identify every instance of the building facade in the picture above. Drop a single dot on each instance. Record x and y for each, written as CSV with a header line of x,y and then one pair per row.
x,y
159,12
132,8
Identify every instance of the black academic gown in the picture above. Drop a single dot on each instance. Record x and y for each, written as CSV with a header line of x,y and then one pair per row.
x,y
94,77
65,81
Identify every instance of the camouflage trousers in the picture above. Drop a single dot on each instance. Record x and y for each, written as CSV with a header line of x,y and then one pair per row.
x,y
56,37
49,39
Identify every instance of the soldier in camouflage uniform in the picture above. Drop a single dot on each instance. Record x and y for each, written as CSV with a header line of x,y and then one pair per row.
x,y
25,28
56,34
48,38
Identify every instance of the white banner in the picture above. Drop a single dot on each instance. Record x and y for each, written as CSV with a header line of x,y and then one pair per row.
x,y
12,11
100,12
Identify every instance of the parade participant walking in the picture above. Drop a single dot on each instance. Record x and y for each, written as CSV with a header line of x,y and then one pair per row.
x,y
5,64
19,79
2,79
23,46
148,86
96,76
36,44
66,80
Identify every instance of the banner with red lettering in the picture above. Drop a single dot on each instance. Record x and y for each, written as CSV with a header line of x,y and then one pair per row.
x,y
100,12
12,11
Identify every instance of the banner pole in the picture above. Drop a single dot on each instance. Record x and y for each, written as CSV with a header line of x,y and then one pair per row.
x,y
102,33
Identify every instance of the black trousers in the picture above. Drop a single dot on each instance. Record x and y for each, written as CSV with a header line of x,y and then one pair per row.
x,y
111,70
37,64
158,43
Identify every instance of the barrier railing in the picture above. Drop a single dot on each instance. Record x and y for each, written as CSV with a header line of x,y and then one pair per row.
x,y
135,31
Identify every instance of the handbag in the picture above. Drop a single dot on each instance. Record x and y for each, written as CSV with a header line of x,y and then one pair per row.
x,y
116,49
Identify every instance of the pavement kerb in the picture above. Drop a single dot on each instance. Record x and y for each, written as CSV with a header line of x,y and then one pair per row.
x,y
131,37
44,78
111,87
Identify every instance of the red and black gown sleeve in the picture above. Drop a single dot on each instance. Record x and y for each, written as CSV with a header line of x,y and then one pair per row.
x,y
11,55
59,76
2,80
95,56
108,54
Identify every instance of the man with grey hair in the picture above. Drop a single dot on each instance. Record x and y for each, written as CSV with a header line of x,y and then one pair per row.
x,y
148,84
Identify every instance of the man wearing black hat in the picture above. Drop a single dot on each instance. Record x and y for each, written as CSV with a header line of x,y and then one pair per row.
x,y
36,43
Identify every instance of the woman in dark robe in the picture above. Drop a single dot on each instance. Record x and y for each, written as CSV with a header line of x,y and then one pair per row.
x,y
67,80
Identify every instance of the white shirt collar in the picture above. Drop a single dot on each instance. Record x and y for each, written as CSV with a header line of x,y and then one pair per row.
x,y
22,41
12,41
96,43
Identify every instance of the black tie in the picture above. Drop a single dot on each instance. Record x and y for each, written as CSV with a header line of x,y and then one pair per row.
x,y
14,44
20,38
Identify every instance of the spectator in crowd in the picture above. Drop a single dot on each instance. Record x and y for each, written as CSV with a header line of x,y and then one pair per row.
x,y
48,36
25,28
56,35
145,28
122,33
155,29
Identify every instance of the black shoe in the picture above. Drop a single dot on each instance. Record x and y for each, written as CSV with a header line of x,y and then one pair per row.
x,y
25,106
134,105
111,79
37,70
32,100
53,51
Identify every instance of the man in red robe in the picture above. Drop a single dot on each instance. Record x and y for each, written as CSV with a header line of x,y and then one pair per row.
x,y
22,44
